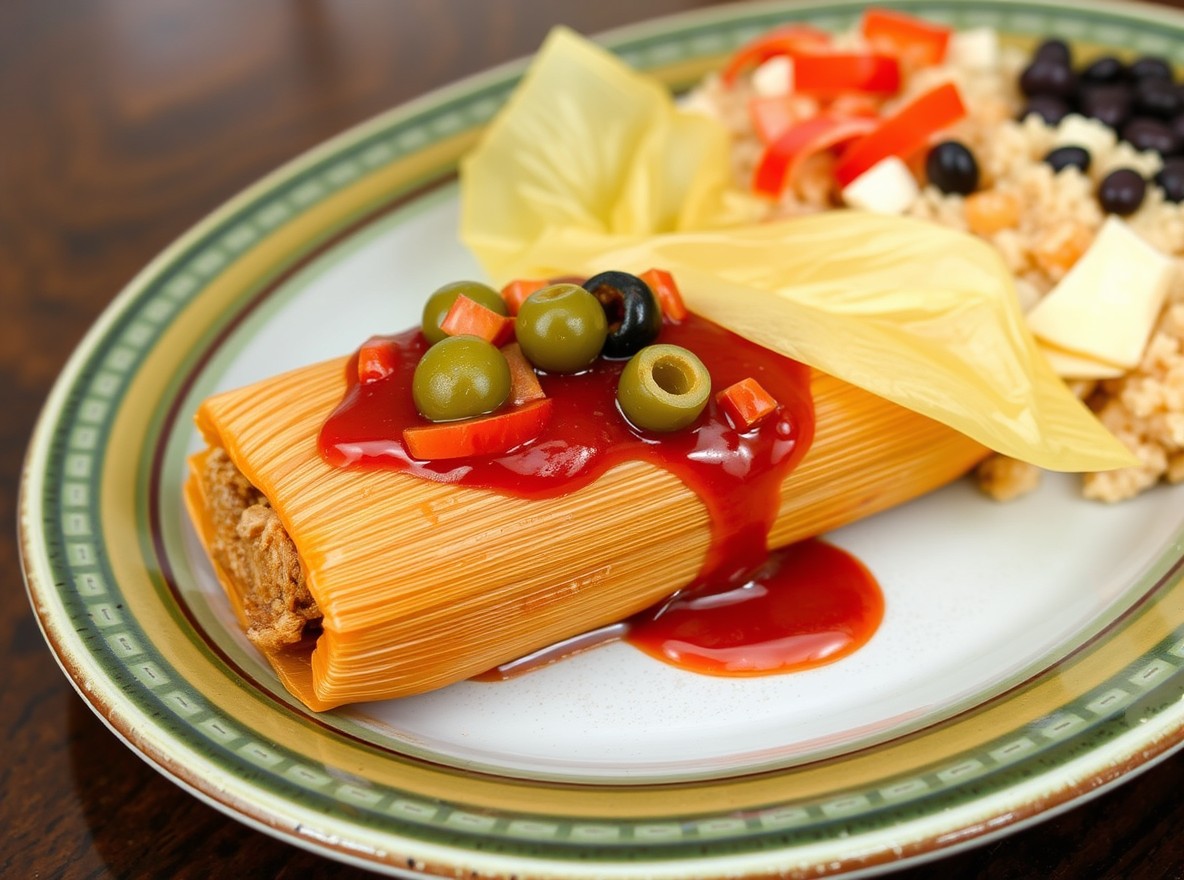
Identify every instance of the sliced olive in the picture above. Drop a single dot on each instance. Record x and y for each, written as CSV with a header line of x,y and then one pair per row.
x,y
1121,191
1109,104
460,377
1171,179
1158,97
663,388
1054,49
633,314
952,168
561,328
1047,76
1145,133
1068,156
1104,70
1051,110
435,310
1150,67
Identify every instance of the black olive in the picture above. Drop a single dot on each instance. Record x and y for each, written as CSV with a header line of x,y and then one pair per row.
x,y
1110,105
1177,126
1068,157
1171,179
1054,49
1121,191
1051,110
1158,97
1145,133
952,168
634,317
1106,70
1047,77
1151,67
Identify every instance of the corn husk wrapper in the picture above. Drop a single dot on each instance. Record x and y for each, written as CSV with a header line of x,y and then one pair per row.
x,y
591,166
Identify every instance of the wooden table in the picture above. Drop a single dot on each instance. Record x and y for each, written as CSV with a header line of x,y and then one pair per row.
x,y
123,122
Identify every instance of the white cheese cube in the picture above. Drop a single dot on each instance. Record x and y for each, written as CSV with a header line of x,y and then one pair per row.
x,y
774,77
888,187
974,49
1068,365
1078,131
1106,305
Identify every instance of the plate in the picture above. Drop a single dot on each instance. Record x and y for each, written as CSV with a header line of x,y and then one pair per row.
x,y
1031,653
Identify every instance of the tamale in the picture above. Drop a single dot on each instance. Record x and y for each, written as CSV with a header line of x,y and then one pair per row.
x,y
420,584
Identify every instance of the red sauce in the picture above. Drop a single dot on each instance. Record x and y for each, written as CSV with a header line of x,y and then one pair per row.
x,y
748,612
808,604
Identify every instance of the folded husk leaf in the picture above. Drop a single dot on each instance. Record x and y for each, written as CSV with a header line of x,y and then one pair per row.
x,y
591,166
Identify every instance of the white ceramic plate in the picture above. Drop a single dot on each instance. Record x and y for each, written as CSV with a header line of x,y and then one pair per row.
x,y
1029,651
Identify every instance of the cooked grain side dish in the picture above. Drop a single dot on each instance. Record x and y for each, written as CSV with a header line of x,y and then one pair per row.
x,y
1050,146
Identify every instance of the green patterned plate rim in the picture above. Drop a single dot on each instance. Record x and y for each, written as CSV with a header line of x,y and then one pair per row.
x,y
97,534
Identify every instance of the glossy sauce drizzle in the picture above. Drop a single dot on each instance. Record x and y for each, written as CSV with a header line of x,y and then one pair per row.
x,y
748,612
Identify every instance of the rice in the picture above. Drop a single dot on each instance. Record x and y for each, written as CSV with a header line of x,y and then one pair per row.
x,y
1041,222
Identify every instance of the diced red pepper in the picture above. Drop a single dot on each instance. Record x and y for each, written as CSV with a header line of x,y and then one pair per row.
x,y
666,291
915,40
784,40
483,435
746,403
516,292
832,73
524,382
467,317
378,357
780,160
903,133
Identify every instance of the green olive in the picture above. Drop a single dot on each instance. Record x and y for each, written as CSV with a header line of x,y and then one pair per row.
x,y
663,388
459,377
561,328
435,310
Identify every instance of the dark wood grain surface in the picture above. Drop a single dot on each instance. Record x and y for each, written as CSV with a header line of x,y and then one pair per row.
x,y
122,123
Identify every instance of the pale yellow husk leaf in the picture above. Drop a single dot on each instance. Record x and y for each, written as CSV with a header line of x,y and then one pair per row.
x,y
591,166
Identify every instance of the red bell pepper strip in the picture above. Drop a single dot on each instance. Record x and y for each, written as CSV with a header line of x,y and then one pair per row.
x,y
746,403
903,133
827,74
915,40
516,292
661,284
780,160
378,357
467,317
785,40
484,435
524,382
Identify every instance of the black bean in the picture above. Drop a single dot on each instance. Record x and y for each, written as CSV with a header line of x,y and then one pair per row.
x,y
634,316
1110,105
1104,71
1121,191
1145,133
1151,67
1068,157
1054,49
1051,110
1171,179
1158,97
952,168
1047,77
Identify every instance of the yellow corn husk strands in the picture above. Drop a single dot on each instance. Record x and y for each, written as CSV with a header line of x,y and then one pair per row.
x,y
422,584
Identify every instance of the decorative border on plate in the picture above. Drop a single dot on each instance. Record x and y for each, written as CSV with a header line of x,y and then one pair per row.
x,y
73,534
